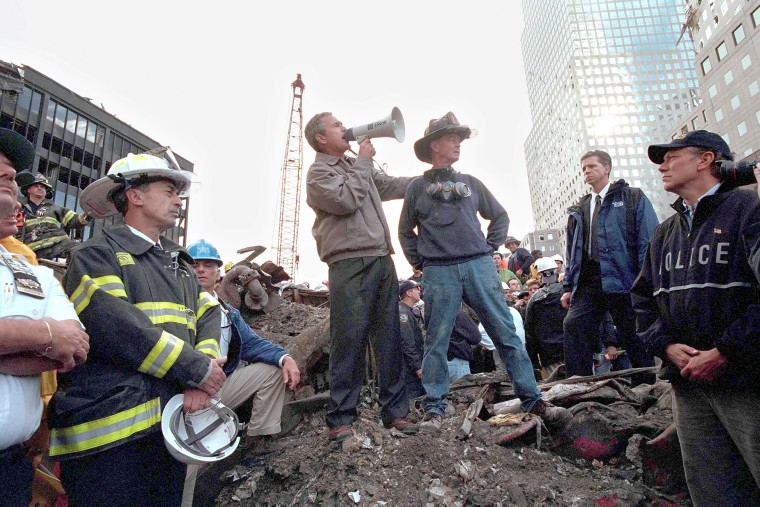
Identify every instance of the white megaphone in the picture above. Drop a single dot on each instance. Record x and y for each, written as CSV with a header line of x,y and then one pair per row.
x,y
390,126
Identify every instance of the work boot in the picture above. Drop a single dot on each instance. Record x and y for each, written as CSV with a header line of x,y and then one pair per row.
x,y
431,423
551,415
404,426
261,445
341,432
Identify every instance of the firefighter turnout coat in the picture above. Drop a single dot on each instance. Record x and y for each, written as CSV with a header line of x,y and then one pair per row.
x,y
152,333
50,225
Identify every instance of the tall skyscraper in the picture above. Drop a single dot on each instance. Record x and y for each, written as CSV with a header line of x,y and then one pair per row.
x,y
725,38
601,74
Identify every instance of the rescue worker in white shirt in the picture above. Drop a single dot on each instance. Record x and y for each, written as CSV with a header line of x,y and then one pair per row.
x,y
46,225
269,370
154,334
39,331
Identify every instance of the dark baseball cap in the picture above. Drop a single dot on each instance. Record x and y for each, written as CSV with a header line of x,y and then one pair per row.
x,y
16,149
405,285
696,138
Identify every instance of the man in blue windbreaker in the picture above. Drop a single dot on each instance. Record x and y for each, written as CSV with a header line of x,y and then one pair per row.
x,y
607,236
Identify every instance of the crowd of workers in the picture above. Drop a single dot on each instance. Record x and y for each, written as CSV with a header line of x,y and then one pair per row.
x,y
151,363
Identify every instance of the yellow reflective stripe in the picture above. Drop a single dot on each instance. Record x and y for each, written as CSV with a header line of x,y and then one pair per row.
x,y
205,302
99,432
41,220
162,356
209,347
110,284
33,222
68,217
44,243
161,312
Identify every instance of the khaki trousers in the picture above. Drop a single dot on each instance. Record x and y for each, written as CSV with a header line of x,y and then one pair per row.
x,y
264,383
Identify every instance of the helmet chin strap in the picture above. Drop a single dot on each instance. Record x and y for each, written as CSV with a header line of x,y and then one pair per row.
x,y
193,442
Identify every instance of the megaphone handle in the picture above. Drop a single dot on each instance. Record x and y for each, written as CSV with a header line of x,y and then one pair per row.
x,y
379,167
360,139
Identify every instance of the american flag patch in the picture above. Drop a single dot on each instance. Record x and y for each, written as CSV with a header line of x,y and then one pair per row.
x,y
718,231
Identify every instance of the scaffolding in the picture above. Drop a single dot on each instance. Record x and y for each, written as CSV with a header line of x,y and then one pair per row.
x,y
290,186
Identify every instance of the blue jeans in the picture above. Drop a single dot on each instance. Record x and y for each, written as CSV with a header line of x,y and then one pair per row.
x,y
477,283
458,368
719,434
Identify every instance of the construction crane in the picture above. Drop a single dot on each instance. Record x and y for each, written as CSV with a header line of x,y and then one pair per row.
x,y
290,186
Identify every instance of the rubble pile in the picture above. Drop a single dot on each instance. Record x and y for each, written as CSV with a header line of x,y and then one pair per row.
x,y
379,466
287,319
619,448
608,455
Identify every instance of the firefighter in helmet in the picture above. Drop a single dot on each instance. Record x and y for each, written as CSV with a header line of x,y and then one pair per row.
x,y
46,226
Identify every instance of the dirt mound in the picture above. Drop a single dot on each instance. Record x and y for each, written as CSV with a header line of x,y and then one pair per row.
x,y
287,319
383,467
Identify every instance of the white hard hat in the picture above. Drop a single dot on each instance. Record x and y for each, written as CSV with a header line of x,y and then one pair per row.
x,y
97,198
545,264
558,258
200,437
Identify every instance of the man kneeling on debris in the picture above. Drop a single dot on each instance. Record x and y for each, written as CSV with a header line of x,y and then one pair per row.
x,y
269,370
696,302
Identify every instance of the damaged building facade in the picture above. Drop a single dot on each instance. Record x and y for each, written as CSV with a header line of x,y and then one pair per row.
x,y
75,140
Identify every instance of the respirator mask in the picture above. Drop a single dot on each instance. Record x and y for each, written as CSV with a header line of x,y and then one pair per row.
x,y
442,184
447,188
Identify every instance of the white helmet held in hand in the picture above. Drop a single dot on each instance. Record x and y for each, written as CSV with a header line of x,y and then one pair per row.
x,y
204,436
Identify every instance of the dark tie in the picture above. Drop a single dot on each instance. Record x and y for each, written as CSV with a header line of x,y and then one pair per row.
x,y
593,244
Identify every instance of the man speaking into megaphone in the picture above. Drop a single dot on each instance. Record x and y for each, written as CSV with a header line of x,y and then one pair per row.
x,y
390,126
354,240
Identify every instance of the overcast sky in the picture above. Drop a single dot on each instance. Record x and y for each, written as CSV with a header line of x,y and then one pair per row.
x,y
212,80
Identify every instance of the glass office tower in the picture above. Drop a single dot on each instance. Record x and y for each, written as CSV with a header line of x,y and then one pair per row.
x,y
601,75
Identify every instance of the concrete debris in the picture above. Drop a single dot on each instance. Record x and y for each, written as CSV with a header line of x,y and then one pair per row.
x,y
465,470
661,462
632,452
248,286
440,494
614,451
248,488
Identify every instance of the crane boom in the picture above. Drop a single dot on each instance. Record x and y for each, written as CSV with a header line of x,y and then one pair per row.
x,y
290,186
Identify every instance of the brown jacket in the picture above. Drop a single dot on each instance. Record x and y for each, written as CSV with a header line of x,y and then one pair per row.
x,y
346,194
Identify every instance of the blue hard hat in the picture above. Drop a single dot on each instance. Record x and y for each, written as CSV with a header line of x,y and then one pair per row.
x,y
202,250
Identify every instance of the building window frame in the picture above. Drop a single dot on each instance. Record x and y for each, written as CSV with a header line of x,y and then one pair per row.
x,y
739,30
706,65
721,51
